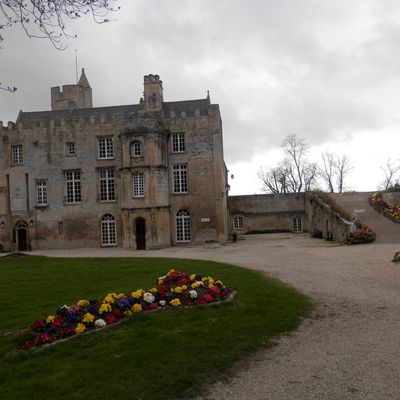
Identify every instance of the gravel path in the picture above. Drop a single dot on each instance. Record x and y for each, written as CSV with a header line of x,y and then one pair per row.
x,y
351,350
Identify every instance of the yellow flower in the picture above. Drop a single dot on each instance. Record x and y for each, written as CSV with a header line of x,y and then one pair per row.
x,y
137,293
82,303
50,318
192,277
171,271
136,308
153,290
128,313
104,308
88,318
219,283
119,296
184,287
110,298
210,280
80,328
175,302
177,289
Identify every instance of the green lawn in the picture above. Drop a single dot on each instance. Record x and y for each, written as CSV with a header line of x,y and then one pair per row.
x,y
169,354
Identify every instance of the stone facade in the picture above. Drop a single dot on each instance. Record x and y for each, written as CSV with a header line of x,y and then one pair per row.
x,y
147,175
268,213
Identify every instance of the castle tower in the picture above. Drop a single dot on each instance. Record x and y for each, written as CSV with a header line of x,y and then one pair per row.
x,y
72,96
153,93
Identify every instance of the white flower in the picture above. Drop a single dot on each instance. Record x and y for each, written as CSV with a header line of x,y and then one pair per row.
x,y
193,294
162,303
148,297
99,323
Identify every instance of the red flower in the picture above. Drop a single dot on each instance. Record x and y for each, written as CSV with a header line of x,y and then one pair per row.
x,y
208,298
117,313
153,306
111,319
57,322
43,338
214,289
38,324
67,331
26,345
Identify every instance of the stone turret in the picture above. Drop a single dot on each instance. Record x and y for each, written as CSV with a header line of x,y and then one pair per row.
x,y
153,93
72,96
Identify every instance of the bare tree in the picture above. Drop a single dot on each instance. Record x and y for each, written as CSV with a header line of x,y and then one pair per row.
x,y
293,174
334,171
390,170
328,170
343,167
46,18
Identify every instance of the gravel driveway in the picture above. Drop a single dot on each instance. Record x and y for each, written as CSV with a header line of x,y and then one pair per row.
x,y
350,350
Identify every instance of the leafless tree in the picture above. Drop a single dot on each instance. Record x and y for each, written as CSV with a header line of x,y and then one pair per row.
x,y
343,167
334,171
293,174
46,18
390,170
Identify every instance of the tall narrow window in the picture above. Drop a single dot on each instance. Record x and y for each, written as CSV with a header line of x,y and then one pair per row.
x,y
17,154
238,222
136,149
183,226
41,193
73,186
178,142
107,184
108,228
71,149
180,178
297,224
138,184
105,148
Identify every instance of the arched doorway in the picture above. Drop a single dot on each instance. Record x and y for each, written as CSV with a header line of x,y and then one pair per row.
x,y
21,235
140,229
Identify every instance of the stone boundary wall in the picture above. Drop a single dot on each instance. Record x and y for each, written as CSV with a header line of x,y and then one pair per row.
x,y
267,212
323,222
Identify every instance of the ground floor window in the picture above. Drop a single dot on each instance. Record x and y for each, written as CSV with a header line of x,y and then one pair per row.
x,y
183,228
297,224
108,231
238,222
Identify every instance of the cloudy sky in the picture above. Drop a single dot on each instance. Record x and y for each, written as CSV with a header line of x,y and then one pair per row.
x,y
327,71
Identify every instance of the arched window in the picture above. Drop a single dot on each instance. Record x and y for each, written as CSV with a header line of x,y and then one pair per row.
x,y
136,149
183,229
238,222
108,228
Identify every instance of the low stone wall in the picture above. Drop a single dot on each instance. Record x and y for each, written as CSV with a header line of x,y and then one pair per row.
x,y
267,212
323,222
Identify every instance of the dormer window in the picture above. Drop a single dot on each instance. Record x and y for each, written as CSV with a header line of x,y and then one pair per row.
x,y
136,149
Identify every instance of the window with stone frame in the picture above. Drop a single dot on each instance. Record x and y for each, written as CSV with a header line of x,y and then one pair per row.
x,y
180,181
71,149
41,192
108,230
238,222
183,226
136,149
17,154
107,184
178,142
105,148
73,186
297,224
138,184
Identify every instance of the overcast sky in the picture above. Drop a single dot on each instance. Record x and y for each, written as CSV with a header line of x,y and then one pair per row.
x,y
327,71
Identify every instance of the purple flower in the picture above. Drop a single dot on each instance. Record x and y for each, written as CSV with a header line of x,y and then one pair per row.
x,y
123,303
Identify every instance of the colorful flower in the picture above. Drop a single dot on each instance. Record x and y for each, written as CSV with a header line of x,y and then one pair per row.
x,y
104,308
80,328
88,318
82,303
148,297
100,323
175,302
137,308
193,294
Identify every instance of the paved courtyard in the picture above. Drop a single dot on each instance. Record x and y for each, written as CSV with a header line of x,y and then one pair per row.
x,y
349,350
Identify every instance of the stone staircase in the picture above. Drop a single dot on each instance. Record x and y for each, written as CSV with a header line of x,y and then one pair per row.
x,y
386,230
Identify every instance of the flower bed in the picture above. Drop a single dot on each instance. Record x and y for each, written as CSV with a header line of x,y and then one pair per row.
x,y
174,289
390,211
361,235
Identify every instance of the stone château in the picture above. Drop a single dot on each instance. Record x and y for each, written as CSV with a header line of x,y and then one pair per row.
x,y
139,176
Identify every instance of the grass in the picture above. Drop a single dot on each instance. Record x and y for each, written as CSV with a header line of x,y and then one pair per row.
x,y
169,354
